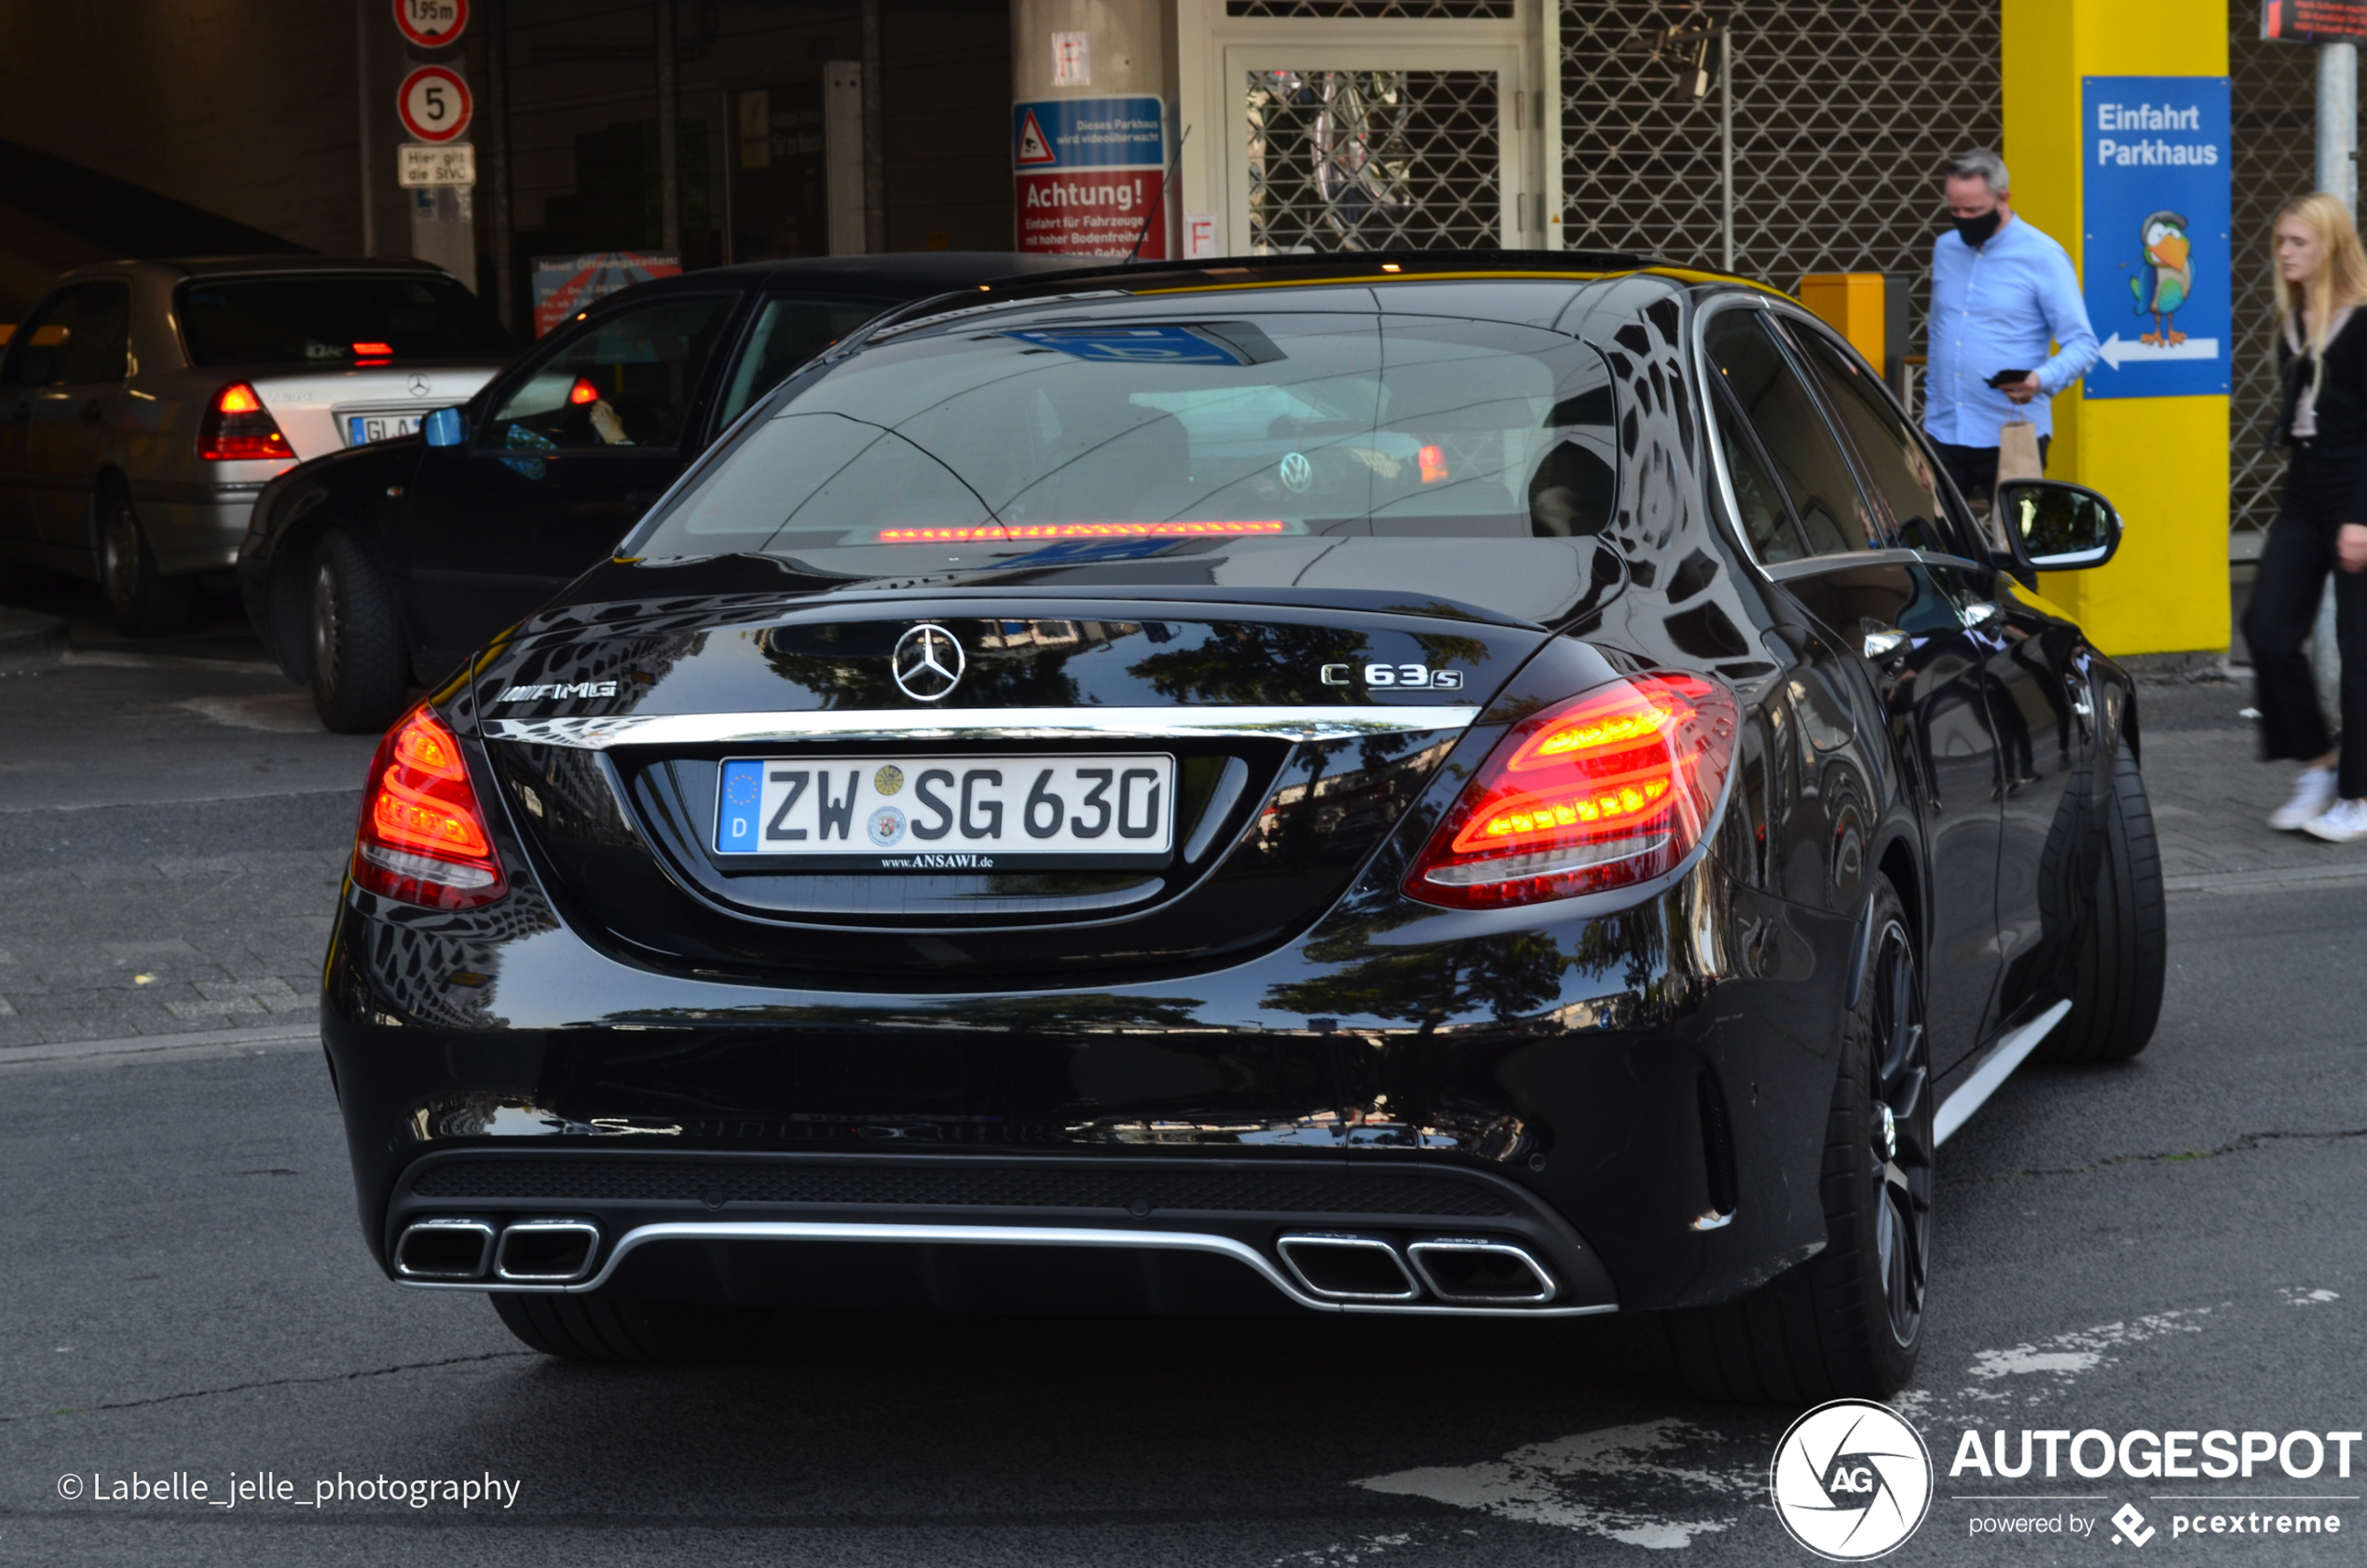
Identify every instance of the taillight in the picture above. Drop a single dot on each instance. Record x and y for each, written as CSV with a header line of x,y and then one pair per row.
x,y
1608,789
238,428
583,391
422,839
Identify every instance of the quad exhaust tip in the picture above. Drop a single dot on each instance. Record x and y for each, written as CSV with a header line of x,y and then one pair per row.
x,y
1457,1271
454,1251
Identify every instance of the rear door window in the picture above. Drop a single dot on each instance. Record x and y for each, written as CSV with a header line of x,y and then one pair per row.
x,y
791,329
627,381
80,338
1809,465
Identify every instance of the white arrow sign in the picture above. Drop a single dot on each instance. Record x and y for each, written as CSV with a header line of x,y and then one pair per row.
x,y
2117,348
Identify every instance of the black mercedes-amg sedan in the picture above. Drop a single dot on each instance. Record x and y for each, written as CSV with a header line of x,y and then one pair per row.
x,y
1486,784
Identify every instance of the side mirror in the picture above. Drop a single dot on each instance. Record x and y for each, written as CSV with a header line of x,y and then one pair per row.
x,y
445,427
2057,527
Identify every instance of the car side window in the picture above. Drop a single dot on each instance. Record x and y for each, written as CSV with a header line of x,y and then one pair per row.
x,y
1757,499
1809,465
80,337
791,329
624,382
1901,473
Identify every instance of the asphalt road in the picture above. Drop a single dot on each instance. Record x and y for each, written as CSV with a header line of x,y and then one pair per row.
x,y
2169,1245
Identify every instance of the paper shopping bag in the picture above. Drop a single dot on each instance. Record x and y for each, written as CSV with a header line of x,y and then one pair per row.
x,y
2017,451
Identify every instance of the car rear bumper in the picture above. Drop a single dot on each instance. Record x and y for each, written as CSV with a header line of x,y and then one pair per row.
x,y
1002,1233
197,526
1645,1087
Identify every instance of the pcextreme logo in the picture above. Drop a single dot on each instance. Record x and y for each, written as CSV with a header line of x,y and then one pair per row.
x,y
1851,1480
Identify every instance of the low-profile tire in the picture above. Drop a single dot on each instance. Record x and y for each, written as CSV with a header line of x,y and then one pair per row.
x,y
1849,1322
361,672
142,601
602,1330
2116,989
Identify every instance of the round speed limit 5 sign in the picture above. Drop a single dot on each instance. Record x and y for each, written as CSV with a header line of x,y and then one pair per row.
x,y
434,103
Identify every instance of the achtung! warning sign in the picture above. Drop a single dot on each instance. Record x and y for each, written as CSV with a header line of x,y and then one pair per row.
x,y
1090,177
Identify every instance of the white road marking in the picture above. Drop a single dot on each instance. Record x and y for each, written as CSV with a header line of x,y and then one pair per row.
x,y
2296,1296
1560,1482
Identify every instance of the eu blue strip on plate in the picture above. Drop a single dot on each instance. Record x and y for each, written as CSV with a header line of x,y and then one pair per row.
x,y
736,829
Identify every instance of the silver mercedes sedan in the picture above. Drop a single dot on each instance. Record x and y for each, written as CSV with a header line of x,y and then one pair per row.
x,y
144,403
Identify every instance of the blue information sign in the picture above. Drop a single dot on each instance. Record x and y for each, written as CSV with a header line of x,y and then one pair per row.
x,y
1170,346
1061,133
2157,212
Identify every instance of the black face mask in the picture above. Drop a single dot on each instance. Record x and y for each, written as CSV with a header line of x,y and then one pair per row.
x,y
1976,231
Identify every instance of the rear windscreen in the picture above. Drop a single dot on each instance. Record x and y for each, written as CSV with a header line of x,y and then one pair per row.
x,y
331,321
975,443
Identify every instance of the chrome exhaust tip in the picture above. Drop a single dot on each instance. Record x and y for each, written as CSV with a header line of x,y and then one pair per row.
x,y
444,1249
546,1251
1348,1268
1467,1271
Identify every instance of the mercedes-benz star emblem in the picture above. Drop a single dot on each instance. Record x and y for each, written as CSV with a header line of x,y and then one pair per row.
x,y
418,385
928,663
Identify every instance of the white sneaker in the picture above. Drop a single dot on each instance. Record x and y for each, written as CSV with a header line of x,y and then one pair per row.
x,y
2345,822
2313,792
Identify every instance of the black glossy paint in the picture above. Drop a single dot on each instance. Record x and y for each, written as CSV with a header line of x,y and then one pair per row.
x,y
1624,1066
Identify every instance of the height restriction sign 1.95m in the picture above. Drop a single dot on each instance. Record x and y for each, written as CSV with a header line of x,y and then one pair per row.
x,y
434,103
432,24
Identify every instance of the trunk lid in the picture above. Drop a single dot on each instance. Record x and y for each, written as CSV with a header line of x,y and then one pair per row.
x,y
327,411
1282,743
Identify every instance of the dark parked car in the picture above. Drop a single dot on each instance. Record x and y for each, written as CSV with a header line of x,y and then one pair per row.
x,y
1436,784
378,570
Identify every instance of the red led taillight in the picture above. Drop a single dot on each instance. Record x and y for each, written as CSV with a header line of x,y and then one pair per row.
x,y
1608,789
238,428
422,836
583,391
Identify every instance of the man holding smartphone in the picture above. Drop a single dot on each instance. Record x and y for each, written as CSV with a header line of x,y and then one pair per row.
x,y
2002,293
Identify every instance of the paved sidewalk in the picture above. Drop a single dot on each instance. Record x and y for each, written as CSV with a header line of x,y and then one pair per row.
x,y
2211,795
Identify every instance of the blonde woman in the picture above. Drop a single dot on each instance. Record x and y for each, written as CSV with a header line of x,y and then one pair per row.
x,y
2321,525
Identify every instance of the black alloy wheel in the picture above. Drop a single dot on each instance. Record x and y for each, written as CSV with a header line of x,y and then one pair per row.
x,y
352,642
1849,1322
141,602
1898,1132
2124,945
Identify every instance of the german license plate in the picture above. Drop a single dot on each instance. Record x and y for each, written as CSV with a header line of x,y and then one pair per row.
x,y
956,814
361,430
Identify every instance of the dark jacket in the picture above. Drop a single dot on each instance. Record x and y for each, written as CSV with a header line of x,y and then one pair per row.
x,y
2342,395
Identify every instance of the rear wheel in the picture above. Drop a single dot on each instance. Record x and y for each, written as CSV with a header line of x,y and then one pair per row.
x,y
1849,1321
359,671
141,602
2117,994
601,1329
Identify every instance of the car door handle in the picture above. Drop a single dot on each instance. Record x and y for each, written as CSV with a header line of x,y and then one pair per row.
x,y
1981,612
1882,641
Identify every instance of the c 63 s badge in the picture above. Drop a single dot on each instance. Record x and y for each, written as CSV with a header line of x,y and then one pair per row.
x,y
1419,677
558,690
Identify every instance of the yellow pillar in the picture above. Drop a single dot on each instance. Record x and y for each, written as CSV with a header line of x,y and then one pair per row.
x,y
2163,462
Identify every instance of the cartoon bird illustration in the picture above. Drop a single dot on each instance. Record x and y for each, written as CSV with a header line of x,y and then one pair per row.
x,y
2163,281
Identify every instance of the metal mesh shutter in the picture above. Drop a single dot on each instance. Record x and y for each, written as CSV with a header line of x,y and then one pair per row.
x,y
2275,91
1843,112
1361,160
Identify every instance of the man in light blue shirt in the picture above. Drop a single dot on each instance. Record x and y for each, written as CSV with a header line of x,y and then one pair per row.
x,y
2002,292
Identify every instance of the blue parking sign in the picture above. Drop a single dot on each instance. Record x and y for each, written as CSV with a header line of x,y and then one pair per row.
x,y
2156,211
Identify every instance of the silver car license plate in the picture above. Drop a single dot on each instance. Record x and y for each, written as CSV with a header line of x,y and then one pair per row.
x,y
361,430
960,813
